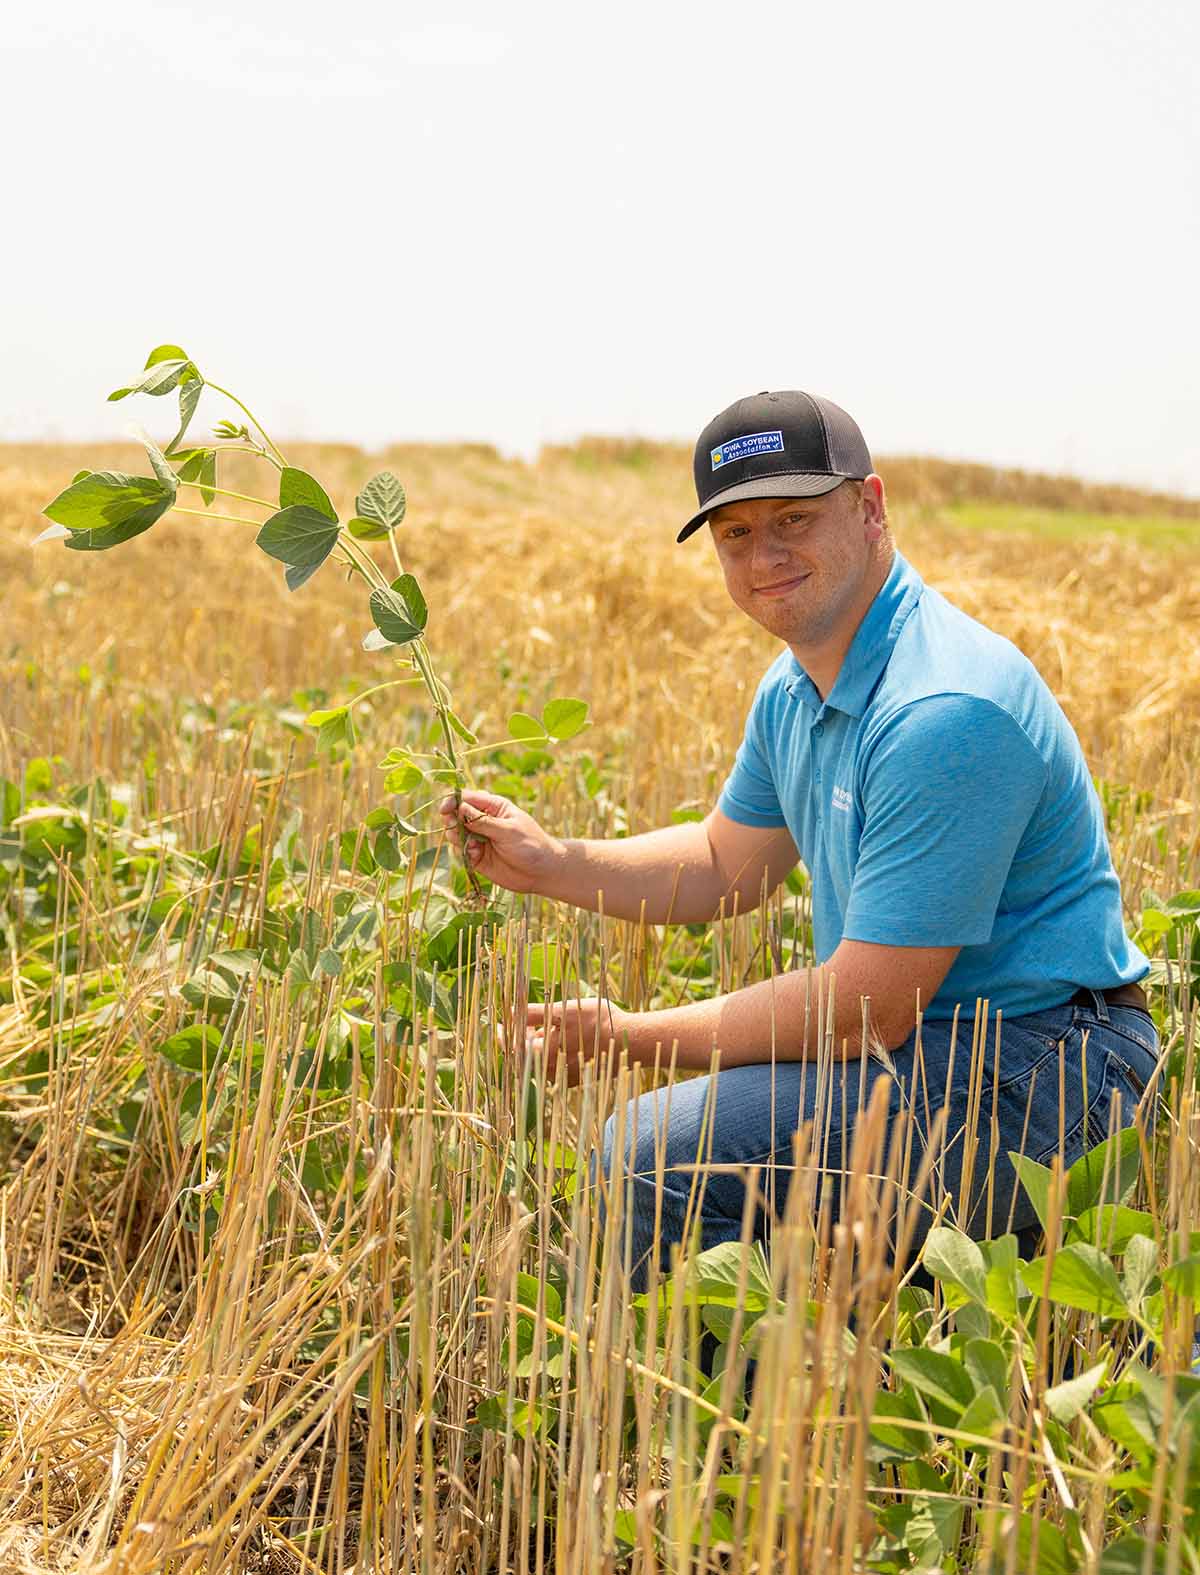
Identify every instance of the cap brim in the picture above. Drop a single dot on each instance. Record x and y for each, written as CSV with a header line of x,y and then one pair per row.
x,y
790,484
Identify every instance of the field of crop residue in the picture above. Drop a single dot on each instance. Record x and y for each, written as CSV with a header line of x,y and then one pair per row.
x,y
299,1258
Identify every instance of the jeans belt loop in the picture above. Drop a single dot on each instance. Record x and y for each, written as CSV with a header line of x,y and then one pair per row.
x,y
1101,1006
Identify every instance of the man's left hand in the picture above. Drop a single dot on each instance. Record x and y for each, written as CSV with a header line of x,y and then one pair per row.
x,y
574,1031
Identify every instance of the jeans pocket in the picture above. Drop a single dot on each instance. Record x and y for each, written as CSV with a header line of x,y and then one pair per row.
x,y
1090,1124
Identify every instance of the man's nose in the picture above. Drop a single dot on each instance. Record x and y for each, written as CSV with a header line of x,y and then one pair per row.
x,y
769,549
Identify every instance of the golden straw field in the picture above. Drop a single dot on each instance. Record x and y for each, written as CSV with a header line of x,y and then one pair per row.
x,y
333,1296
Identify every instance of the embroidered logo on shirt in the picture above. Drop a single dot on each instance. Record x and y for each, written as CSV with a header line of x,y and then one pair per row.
x,y
842,799
744,447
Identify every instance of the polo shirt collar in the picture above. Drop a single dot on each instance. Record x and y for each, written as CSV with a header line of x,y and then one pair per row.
x,y
871,649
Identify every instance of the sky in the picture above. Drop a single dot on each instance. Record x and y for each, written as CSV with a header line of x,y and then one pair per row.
x,y
975,227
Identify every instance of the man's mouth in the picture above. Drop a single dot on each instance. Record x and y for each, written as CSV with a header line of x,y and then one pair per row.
x,y
780,587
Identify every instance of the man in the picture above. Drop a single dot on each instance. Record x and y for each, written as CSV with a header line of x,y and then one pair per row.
x,y
938,797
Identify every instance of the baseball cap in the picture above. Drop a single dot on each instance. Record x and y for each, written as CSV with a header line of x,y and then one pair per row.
x,y
775,445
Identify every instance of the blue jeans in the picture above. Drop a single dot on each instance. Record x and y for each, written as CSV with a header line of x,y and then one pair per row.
x,y
1059,1072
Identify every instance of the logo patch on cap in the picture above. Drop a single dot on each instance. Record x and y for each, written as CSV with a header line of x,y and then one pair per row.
x,y
745,447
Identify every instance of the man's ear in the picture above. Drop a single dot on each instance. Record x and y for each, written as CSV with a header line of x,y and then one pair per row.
x,y
874,506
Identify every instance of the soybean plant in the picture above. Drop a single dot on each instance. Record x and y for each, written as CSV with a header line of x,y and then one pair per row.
x,y
101,509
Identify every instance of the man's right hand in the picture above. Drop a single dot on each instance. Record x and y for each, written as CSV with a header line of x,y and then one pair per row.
x,y
503,843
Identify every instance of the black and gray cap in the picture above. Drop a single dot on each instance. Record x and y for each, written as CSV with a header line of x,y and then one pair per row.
x,y
775,445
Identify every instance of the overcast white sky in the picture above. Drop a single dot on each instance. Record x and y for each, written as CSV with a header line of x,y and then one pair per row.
x,y
974,226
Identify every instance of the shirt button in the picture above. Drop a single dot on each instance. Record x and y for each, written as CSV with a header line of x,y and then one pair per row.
x,y
818,729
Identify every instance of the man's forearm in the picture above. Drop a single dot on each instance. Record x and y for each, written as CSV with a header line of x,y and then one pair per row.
x,y
668,876
746,1024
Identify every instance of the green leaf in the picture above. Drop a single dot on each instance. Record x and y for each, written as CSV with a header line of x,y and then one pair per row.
x,y
563,719
387,851
1088,1185
1139,1268
1183,1277
1066,1400
1132,1555
381,501
393,618
166,353
108,507
1082,1277
403,779
297,489
892,1442
160,378
1003,1289
189,397
407,588
988,1365
983,1412
193,1048
523,726
300,537
936,1374
333,727
367,530
160,467
1035,1179
458,937
950,1255
1111,1227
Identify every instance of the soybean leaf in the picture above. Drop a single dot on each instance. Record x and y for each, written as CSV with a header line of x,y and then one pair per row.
x,y
717,1270
983,1412
367,530
52,533
387,851
166,353
1112,1226
333,727
936,1374
1139,1268
381,501
403,779
406,586
208,475
1003,1289
1081,1276
1066,1400
159,378
1132,1555
193,1048
1088,1185
393,618
300,537
523,726
190,390
987,1364
563,719
1183,1277
456,939
297,487
108,507
889,1443
373,640
1035,1179
950,1255
159,465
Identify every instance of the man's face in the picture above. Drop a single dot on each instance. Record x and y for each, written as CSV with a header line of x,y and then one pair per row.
x,y
804,568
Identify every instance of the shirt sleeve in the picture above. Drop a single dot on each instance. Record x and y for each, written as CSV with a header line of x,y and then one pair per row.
x,y
749,795
948,791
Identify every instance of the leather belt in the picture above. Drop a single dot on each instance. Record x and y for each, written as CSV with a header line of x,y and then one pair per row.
x,y
1118,995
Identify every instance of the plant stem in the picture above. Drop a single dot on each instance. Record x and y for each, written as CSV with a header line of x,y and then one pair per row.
x,y
217,389
425,668
203,514
223,492
242,448
392,683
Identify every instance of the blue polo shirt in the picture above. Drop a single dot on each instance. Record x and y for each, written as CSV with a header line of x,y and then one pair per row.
x,y
939,797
